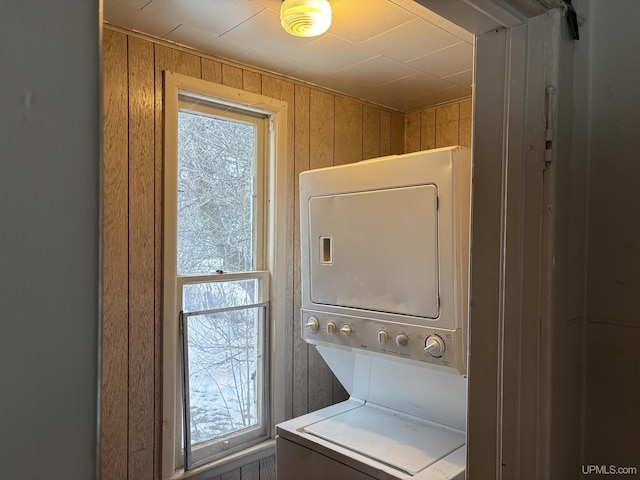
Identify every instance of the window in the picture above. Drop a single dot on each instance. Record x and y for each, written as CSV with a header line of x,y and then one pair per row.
x,y
221,257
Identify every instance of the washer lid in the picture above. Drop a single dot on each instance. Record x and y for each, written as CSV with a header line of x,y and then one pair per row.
x,y
402,441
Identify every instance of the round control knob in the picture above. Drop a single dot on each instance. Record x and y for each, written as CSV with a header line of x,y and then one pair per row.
x,y
312,324
383,336
346,329
331,327
434,346
402,340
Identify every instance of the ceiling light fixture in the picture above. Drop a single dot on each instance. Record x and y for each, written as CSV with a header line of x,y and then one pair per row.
x,y
305,18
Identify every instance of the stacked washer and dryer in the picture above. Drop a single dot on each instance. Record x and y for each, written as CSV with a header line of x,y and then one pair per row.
x,y
385,281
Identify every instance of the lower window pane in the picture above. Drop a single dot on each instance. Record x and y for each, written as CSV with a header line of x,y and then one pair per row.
x,y
223,354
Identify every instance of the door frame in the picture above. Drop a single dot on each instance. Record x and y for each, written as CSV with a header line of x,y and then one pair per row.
x,y
506,408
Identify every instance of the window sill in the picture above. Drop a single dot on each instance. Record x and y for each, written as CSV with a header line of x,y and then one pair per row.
x,y
232,462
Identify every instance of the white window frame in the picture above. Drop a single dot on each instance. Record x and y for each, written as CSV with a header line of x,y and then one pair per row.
x,y
274,262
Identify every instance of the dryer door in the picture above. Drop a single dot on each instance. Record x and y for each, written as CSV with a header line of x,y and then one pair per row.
x,y
376,250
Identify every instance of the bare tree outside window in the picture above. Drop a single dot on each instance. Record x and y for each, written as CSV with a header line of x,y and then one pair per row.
x,y
216,174
223,355
222,324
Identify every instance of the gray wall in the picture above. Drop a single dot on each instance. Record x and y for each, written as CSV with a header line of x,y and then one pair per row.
x,y
49,238
612,421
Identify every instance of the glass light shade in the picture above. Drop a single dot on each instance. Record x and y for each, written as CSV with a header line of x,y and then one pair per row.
x,y
305,18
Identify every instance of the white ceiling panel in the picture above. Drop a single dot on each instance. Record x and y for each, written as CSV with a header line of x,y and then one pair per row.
x,y
267,60
391,52
440,96
414,86
446,61
205,14
323,51
376,71
452,93
203,40
463,79
133,19
419,11
412,40
358,21
264,31
137,4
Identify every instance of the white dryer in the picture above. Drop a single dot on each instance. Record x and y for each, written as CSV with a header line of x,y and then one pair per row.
x,y
385,277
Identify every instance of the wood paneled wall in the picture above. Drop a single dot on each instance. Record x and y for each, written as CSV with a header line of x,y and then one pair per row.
x,y
324,129
440,126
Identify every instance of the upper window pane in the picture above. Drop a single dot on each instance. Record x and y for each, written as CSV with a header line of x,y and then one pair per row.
x,y
216,209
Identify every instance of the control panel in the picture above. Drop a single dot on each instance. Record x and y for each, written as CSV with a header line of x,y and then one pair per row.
x,y
426,344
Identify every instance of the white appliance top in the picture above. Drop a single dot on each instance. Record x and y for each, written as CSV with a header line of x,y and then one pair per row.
x,y
402,441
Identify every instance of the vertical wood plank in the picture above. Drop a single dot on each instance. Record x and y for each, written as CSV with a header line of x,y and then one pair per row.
x,y
338,393
232,475
321,140
370,132
300,349
348,131
114,439
412,132
251,81
231,76
321,133
250,471
141,136
385,133
324,388
211,70
397,133
428,129
188,64
465,123
319,382
268,468
284,90
442,126
447,125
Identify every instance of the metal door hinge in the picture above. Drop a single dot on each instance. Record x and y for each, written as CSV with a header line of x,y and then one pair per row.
x,y
550,118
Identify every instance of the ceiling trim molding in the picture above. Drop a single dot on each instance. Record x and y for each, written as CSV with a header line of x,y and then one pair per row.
x,y
481,16
552,3
477,16
533,8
